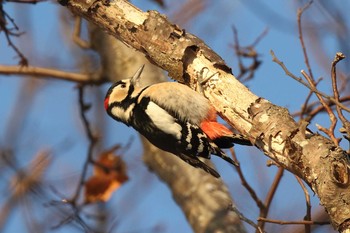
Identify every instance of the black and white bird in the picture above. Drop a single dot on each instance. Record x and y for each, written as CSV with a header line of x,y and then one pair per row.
x,y
174,118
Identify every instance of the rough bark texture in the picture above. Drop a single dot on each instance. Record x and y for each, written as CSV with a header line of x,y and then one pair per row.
x,y
312,157
204,199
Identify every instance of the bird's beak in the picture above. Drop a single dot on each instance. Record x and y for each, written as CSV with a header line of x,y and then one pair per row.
x,y
136,78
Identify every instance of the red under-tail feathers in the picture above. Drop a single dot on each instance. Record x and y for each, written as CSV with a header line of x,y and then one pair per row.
x,y
220,134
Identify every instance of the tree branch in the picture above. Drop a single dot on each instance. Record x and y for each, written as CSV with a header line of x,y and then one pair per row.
x,y
315,159
40,72
304,222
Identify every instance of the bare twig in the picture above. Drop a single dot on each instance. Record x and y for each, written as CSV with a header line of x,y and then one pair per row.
x,y
24,182
305,105
245,219
26,1
270,195
301,38
303,222
4,18
247,52
319,216
245,184
308,205
70,216
76,34
346,124
309,77
48,73
259,38
300,80
92,141
314,108
332,117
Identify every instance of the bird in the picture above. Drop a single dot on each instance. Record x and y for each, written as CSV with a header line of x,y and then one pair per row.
x,y
174,118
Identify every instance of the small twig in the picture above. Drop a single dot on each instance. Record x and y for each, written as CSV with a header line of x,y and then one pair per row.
x,y
245,219
300,80
308,205
9,32
332,117
273,187
321,108
69,218
270,195
49,73
260,37
301,38
303,222
92,141
247,52
26,1
346,124
76,34
245,184
305,105
314,108
309,77
24,182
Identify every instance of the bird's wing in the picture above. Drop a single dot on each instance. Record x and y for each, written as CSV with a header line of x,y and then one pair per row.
x,y
179,100
163,120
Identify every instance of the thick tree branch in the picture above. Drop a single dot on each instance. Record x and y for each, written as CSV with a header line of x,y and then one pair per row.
x,y
316,159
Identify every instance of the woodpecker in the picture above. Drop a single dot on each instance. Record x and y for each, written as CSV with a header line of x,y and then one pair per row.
x,y
174,118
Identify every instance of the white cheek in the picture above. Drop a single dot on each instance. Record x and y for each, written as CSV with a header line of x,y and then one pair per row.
x,y
122,114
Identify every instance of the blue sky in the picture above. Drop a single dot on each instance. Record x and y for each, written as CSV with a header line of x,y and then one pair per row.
x,y
52,120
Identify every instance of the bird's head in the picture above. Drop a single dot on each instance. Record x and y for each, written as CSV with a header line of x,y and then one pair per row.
x,y
122,90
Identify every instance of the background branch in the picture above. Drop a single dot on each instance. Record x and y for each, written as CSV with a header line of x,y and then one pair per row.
x,y
40,72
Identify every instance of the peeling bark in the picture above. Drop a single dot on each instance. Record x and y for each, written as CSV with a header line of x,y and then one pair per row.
x,y
312,157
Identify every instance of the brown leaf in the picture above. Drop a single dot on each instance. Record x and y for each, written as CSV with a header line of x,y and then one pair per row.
x,y
109,163
109,175
100,188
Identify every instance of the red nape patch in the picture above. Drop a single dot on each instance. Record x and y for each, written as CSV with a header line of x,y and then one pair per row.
x,y
106,102
214,129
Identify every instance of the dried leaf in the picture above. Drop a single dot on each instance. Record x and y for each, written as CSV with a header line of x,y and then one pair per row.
x,y
108,163
100,188
109,175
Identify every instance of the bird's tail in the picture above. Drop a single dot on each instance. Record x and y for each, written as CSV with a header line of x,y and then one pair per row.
x,y
222,136
227,141
195,162
218,152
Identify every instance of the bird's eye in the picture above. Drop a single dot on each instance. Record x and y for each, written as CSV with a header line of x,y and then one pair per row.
x,y
123,85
